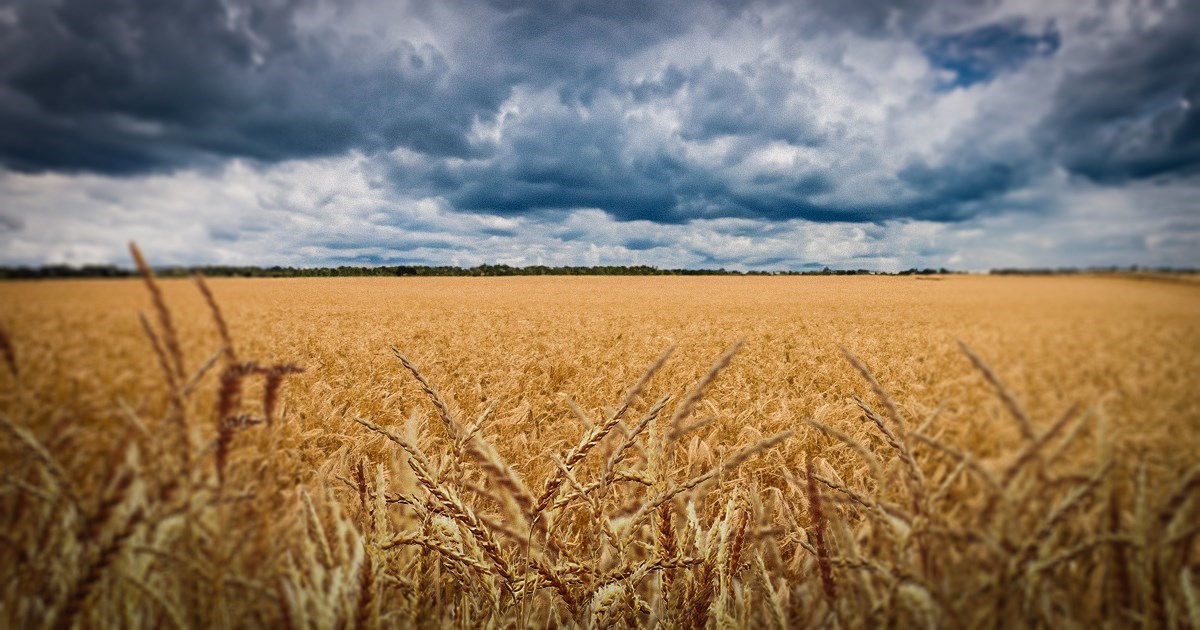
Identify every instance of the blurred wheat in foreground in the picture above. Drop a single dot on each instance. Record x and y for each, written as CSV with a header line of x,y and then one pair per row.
x,y
194,508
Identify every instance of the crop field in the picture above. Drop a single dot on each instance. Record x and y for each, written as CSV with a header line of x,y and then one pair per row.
x,y
958,451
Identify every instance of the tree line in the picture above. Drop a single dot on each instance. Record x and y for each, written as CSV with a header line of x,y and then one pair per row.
x,y
49,272
226,271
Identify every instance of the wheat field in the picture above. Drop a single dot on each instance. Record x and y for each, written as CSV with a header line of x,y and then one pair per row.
x,y
600,452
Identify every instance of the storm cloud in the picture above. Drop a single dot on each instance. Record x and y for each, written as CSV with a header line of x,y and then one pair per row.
x,y
134,86
441,130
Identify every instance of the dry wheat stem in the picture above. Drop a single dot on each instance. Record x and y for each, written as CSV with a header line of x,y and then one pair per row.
x,y
1010,403
596,434
684,410
170,336
452,427
222,329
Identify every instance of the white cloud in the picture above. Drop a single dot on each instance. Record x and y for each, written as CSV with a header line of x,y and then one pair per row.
x,y
331,212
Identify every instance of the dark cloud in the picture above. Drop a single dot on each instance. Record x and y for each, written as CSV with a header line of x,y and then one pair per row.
x,y
643,243
948,191
911,19
10,223
128,86
338,243
574,44
1136,112
867,17
562,158
556,161
763,101
671,112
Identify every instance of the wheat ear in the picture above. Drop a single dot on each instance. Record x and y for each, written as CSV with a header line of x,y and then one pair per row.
x,y
9,352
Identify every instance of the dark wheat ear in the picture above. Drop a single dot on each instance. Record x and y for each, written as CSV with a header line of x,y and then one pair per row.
x,y
225,432
229,396
274,377
9,353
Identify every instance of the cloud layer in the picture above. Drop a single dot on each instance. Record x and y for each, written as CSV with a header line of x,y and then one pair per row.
x,y
746,135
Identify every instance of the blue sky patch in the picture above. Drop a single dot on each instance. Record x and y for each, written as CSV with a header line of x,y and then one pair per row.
x,y
979,55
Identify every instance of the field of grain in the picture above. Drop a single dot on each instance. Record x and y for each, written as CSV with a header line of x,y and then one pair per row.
x,y
490,452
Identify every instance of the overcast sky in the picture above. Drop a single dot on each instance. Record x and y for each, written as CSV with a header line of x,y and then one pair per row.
x,y
748,135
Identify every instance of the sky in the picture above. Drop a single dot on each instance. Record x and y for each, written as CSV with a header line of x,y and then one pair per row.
x,y
968,134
